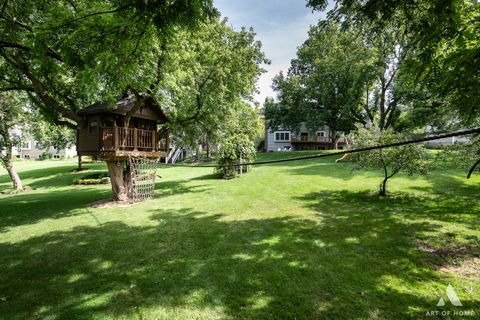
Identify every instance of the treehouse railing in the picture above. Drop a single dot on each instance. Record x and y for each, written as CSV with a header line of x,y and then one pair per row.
x,y
133,139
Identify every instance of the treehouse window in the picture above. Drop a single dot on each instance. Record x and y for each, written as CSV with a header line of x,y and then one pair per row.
x,y
93,126
108,122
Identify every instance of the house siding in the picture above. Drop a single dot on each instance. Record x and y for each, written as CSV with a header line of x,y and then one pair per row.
x,y
271,145
34,153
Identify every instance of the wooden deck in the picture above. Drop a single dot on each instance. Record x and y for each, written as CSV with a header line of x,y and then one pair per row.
x,y
314,139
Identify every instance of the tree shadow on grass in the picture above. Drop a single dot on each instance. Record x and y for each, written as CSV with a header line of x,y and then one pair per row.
x,y
461,209
195,264
436,210
31,207
51,177
211,176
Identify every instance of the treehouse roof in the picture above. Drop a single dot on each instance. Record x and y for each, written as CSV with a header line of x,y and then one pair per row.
x,y
150,110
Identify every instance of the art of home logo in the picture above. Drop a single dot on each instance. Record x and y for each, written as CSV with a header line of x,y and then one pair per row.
x,y
455,301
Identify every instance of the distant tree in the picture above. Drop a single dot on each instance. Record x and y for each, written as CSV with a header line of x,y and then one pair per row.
x,y
411,159
325,83
444,36
50,135
209,75
11,114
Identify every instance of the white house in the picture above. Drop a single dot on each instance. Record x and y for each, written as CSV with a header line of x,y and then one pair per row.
x,y
31,149
284,140
445,141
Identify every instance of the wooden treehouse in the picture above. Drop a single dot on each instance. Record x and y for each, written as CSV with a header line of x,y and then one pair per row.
x,y
113,133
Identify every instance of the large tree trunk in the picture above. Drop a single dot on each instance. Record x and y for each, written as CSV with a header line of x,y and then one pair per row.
x,y
208,150
17,183
79,158
197,152
334,138
7,162
121,180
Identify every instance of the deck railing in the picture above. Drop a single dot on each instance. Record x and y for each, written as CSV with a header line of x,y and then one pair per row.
x,y
133,139
296,139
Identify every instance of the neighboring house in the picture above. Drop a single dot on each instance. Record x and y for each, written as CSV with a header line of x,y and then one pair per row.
x,y
284,140
445,141
31,149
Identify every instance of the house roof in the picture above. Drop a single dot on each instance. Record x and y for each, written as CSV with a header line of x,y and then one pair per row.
x,y
121,107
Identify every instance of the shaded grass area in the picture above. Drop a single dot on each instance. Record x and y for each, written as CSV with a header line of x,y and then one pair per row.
x,y
298,240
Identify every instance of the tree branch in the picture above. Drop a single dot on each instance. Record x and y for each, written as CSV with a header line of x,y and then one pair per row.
x,y
15,21
140,36
50,52
17,88
94,14
41,91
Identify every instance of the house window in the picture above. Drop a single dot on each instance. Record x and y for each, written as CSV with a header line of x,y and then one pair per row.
x,y
93,126
27,145
320,133
282,136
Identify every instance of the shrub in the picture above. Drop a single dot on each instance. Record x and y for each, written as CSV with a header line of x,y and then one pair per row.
x,y
93,178
45,156
233,151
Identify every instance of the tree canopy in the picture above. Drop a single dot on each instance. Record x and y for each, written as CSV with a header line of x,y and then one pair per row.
x,y
69,54
444,35
209,75
325,83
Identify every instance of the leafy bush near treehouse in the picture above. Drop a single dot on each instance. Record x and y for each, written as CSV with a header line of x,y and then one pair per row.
x,y
233,151
93,178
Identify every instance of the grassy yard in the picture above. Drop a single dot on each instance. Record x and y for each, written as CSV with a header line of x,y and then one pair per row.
x,y
298,240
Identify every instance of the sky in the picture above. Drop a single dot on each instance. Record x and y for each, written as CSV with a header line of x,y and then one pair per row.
x,y
281,26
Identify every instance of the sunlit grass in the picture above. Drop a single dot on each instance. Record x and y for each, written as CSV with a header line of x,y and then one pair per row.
x,y
306,239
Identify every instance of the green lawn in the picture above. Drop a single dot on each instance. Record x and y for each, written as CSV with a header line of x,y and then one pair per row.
x,y
298,240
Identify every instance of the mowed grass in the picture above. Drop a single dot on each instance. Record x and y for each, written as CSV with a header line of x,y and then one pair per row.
x,y
296,240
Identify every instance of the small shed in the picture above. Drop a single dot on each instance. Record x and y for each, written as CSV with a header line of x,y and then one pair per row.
x,y
105,134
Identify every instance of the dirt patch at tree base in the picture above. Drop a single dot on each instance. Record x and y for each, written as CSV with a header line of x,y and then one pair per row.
x,y
110,203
